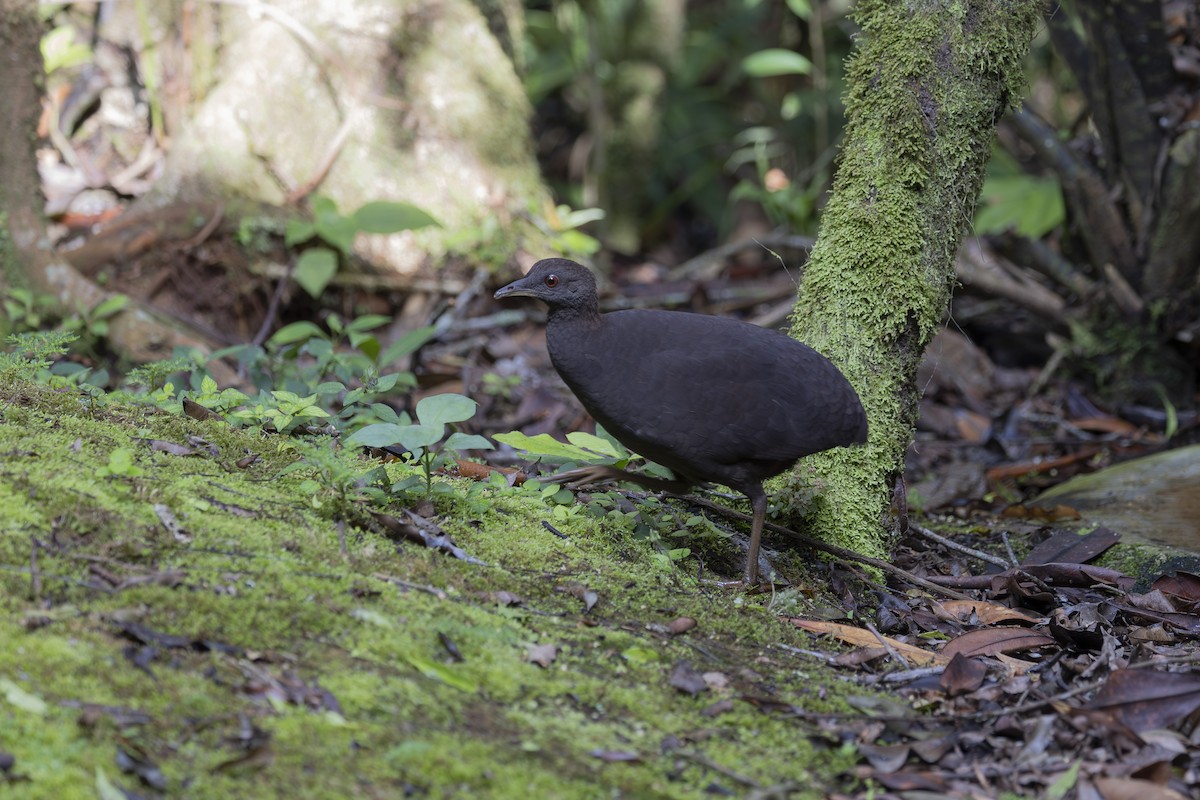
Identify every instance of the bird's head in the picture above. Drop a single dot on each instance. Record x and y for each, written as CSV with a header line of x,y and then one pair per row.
x,y
559,283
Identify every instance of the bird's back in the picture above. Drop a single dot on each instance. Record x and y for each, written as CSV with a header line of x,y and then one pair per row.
x,y
697,392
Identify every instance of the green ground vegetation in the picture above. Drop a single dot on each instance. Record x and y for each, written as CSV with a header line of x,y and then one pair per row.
x,y
222,624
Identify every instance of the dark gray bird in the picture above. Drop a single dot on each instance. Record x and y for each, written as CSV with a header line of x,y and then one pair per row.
x,y
711,398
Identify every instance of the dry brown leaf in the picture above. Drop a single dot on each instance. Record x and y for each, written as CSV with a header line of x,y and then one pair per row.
x,y
992,641
1143,699
860,637
542,654
1133,789
983,612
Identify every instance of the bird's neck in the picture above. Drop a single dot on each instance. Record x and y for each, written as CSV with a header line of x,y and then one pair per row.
x,y
571,333
574,316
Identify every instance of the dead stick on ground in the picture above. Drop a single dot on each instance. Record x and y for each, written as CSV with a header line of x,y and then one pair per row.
x,y
35,575
953,545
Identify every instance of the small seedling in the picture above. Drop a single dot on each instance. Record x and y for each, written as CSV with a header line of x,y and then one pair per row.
x,y
120,465
332,235
422,439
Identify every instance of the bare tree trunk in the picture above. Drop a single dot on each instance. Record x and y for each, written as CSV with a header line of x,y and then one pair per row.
x,y
25,252
20,75
927,83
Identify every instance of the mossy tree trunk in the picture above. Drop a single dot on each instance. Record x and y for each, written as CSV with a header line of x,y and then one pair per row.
x,y
927,83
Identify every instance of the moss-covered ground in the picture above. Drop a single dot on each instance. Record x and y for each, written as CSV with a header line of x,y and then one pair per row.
x,y
196,626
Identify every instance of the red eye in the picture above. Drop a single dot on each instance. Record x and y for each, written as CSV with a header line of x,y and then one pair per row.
x,y
551,281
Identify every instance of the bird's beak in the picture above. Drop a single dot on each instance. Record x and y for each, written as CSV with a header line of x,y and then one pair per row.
x,y
517,288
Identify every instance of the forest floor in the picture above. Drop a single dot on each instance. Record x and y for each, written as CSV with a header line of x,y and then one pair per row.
x,y
184,616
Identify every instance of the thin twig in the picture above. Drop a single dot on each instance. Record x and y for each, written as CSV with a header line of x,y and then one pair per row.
x,y
708,265
886,645
205,232
35,574
268,322
1008,547
433,590
979,554
330,156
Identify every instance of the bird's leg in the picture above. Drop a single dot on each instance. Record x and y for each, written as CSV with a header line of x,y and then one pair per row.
x,y
758,504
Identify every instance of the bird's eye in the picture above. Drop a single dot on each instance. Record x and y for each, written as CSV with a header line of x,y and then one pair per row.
x,y
551,281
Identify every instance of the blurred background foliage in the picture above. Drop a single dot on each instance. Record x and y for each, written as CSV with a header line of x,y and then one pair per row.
x,y
669,128
685,126
669,116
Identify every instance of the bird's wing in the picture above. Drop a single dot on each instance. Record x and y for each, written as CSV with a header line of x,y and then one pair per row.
x,y
711,387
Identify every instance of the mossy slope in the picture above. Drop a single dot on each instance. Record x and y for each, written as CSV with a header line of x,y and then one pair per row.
x,y
258,648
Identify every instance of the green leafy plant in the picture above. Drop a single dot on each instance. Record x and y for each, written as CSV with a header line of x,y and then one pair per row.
x,y
423,440
335,482
333,235
282,410
344,368
120,465
91,325
648,517
32,354
562,224
502,386
26,311
786,202
61,49
1014,200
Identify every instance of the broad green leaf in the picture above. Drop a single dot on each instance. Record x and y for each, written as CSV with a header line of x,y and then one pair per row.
x,y
315,269
592,442
408,343
1029,205
379,434
468,441
368,322
329,387
385,412
578,242
387,434
445,673
338,231
323,206
60,49
568,219
801,8
19,698
386,216
295,332
109,306
385,383
775,61
106,789
366,343
415,437
546,446
640,655
443,408
297,231
408,484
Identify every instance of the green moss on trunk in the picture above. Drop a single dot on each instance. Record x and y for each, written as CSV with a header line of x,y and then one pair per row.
x,y
928,81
